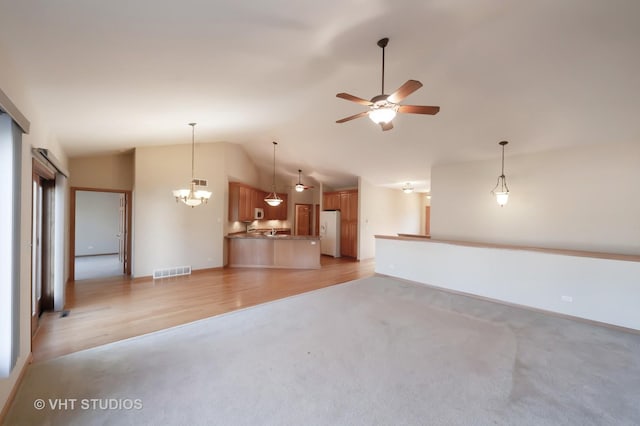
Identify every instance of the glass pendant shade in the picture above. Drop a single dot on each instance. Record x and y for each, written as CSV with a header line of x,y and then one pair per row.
x,y
502,198
299,187
273,200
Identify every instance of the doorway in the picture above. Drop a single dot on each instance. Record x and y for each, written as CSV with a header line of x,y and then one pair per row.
x,y
303,214
42,210
100,233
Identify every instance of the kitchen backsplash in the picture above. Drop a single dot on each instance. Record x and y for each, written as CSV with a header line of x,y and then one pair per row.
x,y
235,227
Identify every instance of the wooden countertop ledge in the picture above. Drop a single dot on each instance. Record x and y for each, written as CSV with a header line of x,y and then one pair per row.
x,y
565,252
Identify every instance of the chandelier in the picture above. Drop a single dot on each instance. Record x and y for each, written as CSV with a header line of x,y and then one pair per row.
x,y
193,196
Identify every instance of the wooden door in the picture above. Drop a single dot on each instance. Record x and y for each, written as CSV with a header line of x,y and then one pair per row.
x,y
303,219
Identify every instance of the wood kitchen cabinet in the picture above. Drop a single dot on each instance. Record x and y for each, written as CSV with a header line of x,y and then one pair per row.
x,y
243,199
347,203
331,201
241,202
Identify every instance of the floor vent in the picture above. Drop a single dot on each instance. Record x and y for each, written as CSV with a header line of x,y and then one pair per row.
x,y
171,272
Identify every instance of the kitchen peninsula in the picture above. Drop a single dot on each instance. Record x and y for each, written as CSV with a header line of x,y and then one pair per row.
x,y
256,250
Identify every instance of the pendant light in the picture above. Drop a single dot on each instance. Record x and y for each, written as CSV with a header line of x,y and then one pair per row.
x,y
193,196
272,199
501,190
407,189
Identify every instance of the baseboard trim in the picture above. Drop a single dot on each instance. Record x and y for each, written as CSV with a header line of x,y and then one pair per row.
x,y
14,391
517,305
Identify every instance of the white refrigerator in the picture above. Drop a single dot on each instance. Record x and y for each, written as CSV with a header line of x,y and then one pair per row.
x,y
330,232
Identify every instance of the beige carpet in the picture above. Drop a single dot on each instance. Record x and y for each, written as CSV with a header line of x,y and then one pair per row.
x,y
373,351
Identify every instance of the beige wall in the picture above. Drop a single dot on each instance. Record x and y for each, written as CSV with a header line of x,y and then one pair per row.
x,y
166,233
582,198
39,137
385,211
114,171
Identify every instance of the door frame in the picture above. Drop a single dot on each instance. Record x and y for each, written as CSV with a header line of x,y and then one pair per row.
x,y
43,178
72,227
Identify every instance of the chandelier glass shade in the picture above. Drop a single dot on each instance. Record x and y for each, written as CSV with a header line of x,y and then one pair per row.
x,y
272,198
194,196
501,190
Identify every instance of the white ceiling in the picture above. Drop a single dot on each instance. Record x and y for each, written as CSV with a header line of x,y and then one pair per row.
x,y
112,75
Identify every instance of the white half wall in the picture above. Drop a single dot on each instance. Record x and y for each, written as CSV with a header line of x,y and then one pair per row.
x,y
385,211
585,198
602,290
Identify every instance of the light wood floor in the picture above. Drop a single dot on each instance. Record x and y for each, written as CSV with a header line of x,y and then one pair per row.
x,y
107,310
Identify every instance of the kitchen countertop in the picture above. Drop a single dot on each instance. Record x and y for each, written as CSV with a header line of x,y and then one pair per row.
x,y
260,236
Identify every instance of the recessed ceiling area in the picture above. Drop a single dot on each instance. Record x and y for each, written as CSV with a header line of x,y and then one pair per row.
x,y
108,76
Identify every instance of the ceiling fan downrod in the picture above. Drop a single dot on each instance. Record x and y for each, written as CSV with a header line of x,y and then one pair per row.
x,y
383,43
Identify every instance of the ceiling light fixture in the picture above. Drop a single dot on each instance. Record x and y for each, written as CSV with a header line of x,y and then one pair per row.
x,y
407,188
501,190
193,196
299,185
272,199
382,111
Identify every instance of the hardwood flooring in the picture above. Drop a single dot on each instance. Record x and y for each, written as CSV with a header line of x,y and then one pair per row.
x,y
107,310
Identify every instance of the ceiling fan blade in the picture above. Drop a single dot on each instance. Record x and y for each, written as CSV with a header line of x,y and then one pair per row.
x,y
355,99
419,109
353,117
386,126
405,90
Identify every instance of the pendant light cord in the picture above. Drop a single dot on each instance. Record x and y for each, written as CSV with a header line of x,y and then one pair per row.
x,y
193,143
502,160
274,166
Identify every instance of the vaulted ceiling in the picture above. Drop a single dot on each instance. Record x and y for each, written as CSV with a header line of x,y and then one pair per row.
x,y
110,76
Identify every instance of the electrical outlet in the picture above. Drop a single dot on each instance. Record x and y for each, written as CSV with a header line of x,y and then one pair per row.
x,y
566,298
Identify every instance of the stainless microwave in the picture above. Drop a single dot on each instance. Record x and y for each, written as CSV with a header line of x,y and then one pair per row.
x,y
258,213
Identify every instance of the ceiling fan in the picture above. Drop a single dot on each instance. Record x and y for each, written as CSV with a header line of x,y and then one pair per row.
x,y
383,108
299,186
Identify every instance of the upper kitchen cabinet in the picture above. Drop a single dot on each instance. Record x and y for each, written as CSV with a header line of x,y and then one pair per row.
x,y
242,201
331,201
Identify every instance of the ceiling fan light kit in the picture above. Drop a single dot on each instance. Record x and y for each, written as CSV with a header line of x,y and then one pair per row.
x,y
194,196
383,108
407,188
501,190
272,198
300,186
